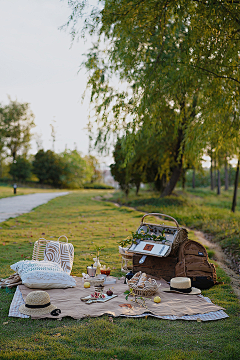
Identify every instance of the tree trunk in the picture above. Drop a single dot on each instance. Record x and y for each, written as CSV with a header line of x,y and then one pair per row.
x,y
226,175
173,181
193,178
218,183
211,173
229,175
179,149
234,202
214,174
137,187
183,178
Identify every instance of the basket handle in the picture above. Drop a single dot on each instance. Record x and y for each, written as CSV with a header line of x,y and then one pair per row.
x,y
63,236
158,214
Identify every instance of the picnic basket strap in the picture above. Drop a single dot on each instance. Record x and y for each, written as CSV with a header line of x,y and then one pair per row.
x,y
214,274
181,238
180,268
158,214
63,236
181,252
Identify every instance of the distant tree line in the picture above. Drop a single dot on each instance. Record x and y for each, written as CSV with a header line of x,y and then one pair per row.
x,y
68,169
146,162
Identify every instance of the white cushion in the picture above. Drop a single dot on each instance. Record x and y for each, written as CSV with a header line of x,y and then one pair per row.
x,y
28,265
43,275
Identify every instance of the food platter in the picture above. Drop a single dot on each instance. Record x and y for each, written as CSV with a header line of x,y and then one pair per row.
x,y
90,299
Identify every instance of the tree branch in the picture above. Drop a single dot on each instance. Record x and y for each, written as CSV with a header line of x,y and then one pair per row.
x,y
216,75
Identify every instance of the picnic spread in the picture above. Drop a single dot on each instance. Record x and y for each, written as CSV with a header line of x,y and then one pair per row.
x,y
163,279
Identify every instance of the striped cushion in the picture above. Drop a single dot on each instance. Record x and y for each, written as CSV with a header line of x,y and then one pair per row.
x,y
60,253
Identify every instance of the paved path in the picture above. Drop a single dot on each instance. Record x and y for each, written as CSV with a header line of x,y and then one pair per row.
x,y
15,206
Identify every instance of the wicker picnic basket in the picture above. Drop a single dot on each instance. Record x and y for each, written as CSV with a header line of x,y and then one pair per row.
x,y
40,245
149,289
179,234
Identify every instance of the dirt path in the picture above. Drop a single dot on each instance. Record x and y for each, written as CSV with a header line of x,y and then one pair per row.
x,y
222,261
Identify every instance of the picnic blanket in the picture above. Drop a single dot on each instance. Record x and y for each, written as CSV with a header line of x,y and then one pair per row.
x,y
173,306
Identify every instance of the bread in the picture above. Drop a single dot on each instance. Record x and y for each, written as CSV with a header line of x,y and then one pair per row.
x,y
135,278
142,280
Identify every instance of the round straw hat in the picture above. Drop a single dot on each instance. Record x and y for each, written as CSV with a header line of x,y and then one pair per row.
x,y
37,303
182,285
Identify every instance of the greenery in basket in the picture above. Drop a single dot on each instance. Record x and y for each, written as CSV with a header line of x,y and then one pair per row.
x,y
126,242
142,236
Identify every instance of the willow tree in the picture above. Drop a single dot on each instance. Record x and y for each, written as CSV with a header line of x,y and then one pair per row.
x,y
163,53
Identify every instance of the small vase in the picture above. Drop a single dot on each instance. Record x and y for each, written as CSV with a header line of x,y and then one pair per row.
x,y
97,265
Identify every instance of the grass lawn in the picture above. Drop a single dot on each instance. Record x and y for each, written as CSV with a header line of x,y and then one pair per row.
x,y
7,191
198,208
87,223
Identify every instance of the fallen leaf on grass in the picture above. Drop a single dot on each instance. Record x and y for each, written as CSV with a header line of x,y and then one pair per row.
x,y
5,323
57,335
110,319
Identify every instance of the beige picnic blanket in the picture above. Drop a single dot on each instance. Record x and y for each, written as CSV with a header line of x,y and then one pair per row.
x,y
68,300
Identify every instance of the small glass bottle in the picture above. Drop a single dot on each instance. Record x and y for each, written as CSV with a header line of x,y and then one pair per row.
x,y
97,265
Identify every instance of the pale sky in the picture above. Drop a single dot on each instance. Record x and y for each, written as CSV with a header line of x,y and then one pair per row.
x,y
38,66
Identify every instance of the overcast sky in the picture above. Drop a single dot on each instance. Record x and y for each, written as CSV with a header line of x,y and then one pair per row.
x,y
38,66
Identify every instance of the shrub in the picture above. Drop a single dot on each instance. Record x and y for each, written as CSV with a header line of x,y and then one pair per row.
x,y
20,169
97,186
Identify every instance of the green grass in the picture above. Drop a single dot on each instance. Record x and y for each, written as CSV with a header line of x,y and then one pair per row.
x,y
87,223
197,209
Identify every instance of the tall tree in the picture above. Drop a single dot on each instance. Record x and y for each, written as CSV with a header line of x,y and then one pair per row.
x,y
20,169
16,120
167,52
120,169
48,168
75,169
94,165
226,174
234,202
